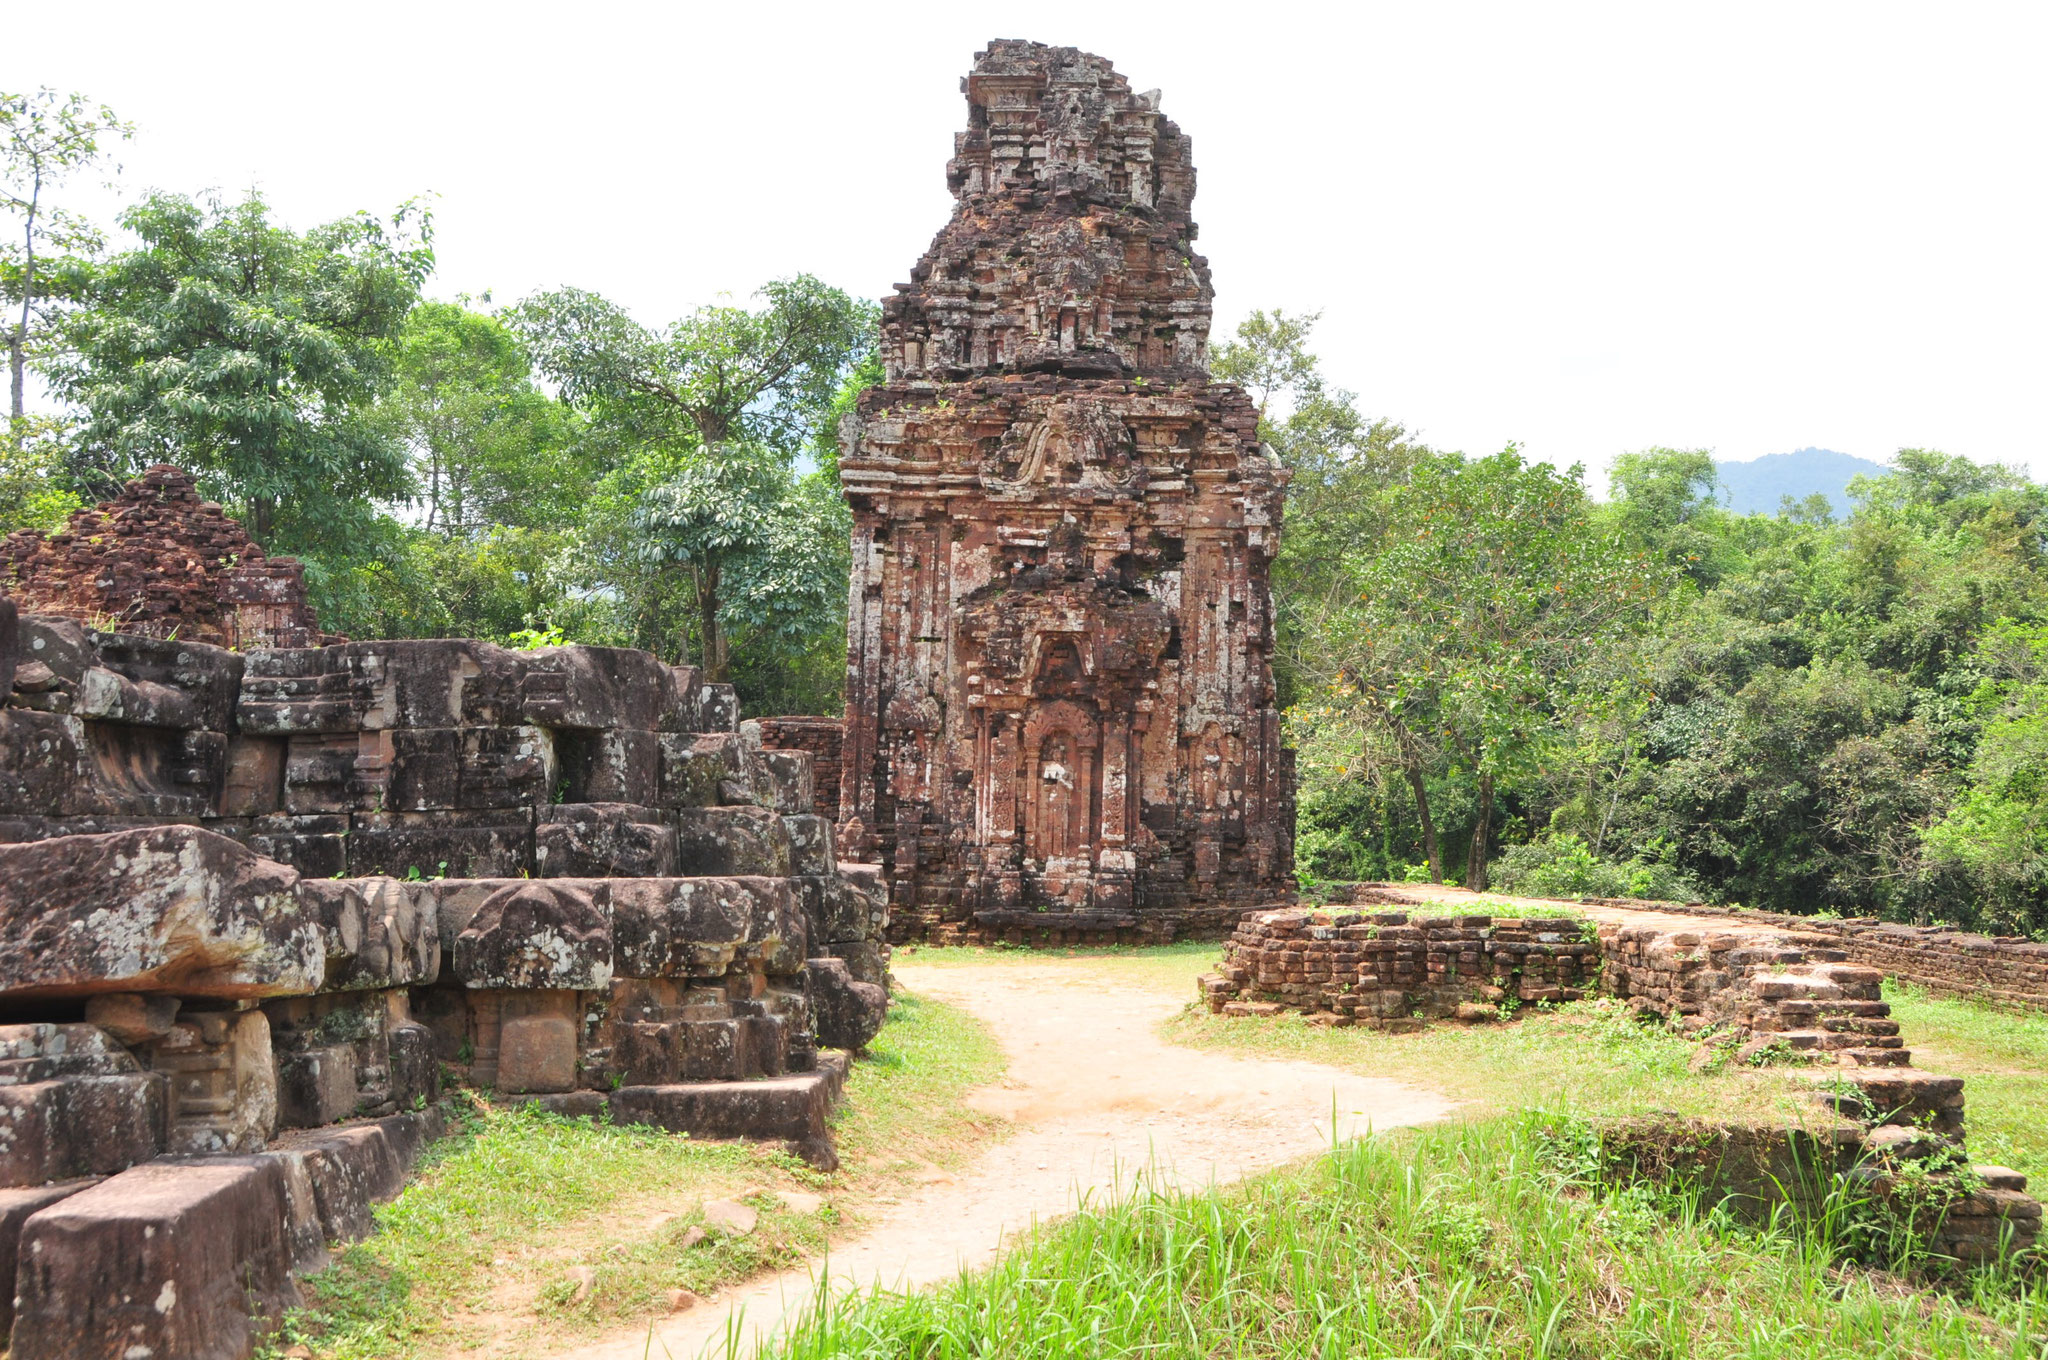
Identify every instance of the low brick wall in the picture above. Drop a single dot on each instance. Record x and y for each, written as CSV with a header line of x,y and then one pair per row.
x,y
822,738
2003,970
1391,966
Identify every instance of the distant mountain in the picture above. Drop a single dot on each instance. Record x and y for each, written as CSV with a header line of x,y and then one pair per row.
x,y
1761,483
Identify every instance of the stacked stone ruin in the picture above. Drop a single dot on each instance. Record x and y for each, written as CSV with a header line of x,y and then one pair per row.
x,y
157,561
254,906
1060,706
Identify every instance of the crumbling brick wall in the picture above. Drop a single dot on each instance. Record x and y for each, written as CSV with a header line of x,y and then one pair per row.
x,y
157,561
1060,706
2001,970
1390,968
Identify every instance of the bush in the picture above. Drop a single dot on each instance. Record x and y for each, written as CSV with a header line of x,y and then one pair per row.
x,y
1564,866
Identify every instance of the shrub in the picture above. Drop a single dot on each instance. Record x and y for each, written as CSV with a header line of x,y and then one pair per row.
x,y
1564,866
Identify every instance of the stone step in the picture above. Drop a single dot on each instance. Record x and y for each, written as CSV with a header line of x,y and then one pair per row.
x,y
1874,1010
1876,1057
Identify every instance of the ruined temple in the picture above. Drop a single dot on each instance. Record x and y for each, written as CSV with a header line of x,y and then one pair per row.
x,y
1060,705
157,561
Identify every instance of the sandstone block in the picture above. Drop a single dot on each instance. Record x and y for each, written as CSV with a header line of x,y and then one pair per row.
x,y
537,1041
537,935
848,1013
166,909
169,1259
732,841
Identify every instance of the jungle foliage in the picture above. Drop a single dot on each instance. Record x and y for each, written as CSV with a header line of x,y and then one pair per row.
x,y
1648,695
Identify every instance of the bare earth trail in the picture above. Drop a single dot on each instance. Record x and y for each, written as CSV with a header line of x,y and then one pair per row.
x,y
1095,1097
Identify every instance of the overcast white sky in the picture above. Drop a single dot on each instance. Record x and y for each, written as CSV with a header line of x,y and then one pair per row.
x,y
1587,228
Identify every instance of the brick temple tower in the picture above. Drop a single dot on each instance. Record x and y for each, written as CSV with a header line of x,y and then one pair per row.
x,y
1060,701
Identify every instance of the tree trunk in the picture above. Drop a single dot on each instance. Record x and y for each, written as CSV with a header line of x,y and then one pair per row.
x,y
262,515
15,364
1475,862
711,638
1429,845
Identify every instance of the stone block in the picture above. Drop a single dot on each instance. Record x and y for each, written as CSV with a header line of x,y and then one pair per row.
x,y
680,927
537,1041
222,1082
411,845
732,841
810,844
378,932
170,909
415,1073
43,765
793,1107
603,840
537,934
316,1086
170,1259
848,1013
132,1018
866,960
696,767
597,688
616,765
787,783
66,1127
15,1208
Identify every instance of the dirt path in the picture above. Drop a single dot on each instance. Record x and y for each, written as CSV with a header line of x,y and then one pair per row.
x,y
1096,1097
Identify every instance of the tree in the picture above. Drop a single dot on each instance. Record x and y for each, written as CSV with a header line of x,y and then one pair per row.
x,y
1478,614
724,383
252,355
758,550
719,375
44,140
487,446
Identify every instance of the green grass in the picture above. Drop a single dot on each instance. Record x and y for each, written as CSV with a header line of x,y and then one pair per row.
x,y
1464,1240
476,1255
2003,1058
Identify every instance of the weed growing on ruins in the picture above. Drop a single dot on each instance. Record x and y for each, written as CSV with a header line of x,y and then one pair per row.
x,y
1463,1240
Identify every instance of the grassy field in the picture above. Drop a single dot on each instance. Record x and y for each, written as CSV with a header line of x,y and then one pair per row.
x,y
1481,1239
483,1254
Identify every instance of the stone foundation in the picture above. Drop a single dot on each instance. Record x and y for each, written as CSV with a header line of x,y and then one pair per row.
x,y
1392,970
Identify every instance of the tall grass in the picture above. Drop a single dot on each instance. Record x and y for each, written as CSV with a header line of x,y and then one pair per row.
x,y
1477,1240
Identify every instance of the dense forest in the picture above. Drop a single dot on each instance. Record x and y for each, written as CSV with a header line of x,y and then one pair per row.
x,y
1493,675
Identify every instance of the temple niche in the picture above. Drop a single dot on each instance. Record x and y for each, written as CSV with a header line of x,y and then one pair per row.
x,y
1060,706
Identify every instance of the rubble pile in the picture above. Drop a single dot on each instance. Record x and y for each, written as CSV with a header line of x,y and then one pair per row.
x,y
157,561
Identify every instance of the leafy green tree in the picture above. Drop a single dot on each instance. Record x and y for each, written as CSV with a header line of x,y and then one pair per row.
x,y
1477,617
758,549
758,389
487,446
252,355
718,376
44,140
